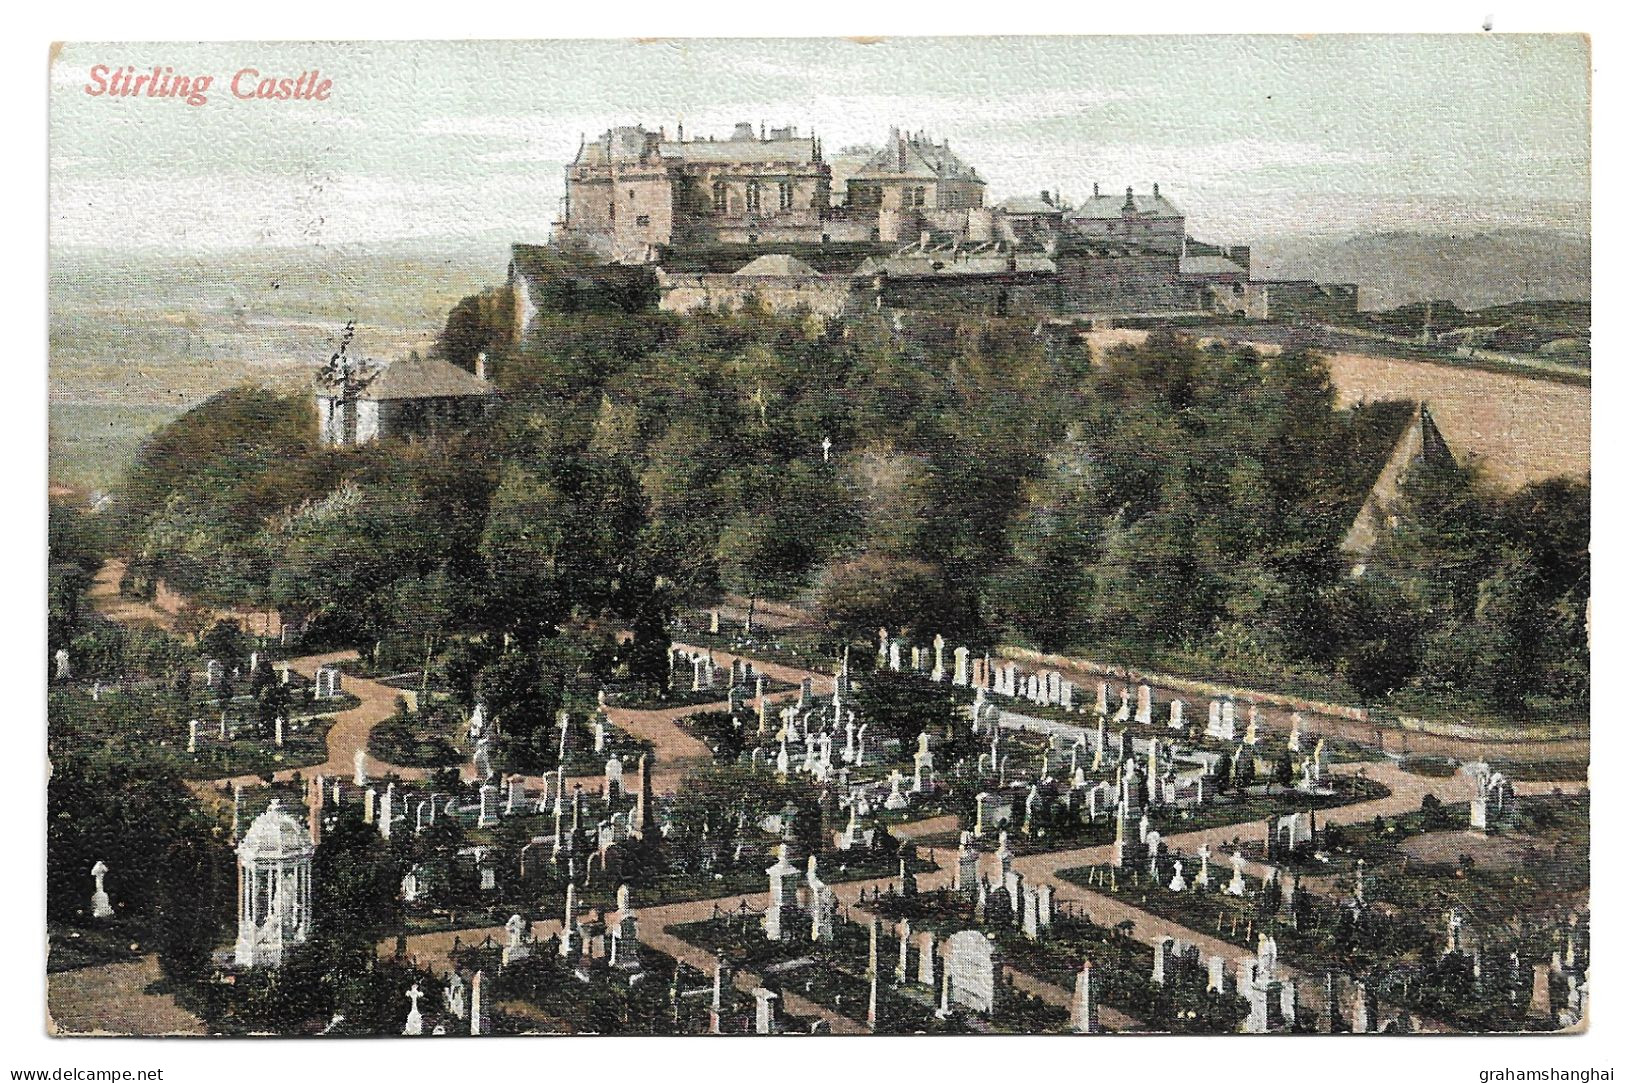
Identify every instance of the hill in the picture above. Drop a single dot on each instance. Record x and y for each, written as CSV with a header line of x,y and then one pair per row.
x,y
1475,271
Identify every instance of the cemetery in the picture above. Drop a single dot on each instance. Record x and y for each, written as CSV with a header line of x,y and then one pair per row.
x,y
200,740
843,834
877,974
1060,941
576,985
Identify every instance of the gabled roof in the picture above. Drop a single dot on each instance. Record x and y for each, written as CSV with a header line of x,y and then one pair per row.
x,y
910,155
423,378
797,151
1209,265
1111,206
778,265
1420,442
1029,205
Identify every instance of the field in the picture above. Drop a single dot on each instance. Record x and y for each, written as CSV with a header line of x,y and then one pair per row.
x,y
1523,429
138,338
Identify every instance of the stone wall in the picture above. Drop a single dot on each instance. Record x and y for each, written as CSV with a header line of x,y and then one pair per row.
x,y
823,296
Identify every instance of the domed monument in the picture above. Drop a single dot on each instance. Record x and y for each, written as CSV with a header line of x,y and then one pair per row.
x,y
273,887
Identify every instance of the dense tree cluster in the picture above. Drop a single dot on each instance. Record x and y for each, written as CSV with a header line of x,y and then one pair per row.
x,y
1163,503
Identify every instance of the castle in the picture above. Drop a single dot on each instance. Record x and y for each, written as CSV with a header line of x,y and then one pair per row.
x,y
765,217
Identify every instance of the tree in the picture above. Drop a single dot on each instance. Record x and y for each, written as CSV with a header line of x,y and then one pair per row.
x,y
859,596
224,641
903,706
1281,775
197,899
1382,633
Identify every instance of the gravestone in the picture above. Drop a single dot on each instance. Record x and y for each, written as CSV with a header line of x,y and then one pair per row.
x,y
972,967
414,1018
1085,1015
100,905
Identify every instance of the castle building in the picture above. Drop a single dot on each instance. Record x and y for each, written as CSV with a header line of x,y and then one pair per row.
x,y
763,218
912,185
1152,222
360,401
632,193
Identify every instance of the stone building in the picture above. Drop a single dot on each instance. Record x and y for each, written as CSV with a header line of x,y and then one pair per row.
x,y
1030,221
776,283
360,401
763,217
913,185
1420,443
632,193
1152,221
273,888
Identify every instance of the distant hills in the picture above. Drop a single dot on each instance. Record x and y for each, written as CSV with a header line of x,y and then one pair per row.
x,y
1476,270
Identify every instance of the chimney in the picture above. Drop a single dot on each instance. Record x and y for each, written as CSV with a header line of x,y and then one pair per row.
x,y
1044,195
479,366
1156,190
1097,188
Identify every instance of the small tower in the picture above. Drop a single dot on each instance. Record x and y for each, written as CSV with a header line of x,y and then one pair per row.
x,y
273,887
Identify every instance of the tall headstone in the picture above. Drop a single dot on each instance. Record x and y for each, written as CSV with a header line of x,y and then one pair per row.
x,y
782,878
764,1009
100,905
1085,1016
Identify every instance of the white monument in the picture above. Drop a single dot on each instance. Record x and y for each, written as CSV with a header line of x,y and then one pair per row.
x,y
100,905
273,892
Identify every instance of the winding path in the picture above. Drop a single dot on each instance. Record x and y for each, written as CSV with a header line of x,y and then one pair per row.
x,y
678,753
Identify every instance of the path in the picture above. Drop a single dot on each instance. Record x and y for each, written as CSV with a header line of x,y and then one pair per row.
x,y
350,732
113,999
167,605
433,950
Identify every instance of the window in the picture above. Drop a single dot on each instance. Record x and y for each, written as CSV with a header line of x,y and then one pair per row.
x,y
643,219
753,198
719,197
787,195
919,197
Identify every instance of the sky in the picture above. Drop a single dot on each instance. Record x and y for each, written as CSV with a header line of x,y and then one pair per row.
x,y
466,142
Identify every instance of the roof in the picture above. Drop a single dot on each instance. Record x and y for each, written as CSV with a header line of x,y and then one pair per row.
x,y
1210,265
1111,206
915,156
778,265
798,151
945,264
631,143
423,378
275,834
1029,205
1420,442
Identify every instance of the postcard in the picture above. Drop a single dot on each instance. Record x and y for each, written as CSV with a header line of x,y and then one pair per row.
x,y
902,536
